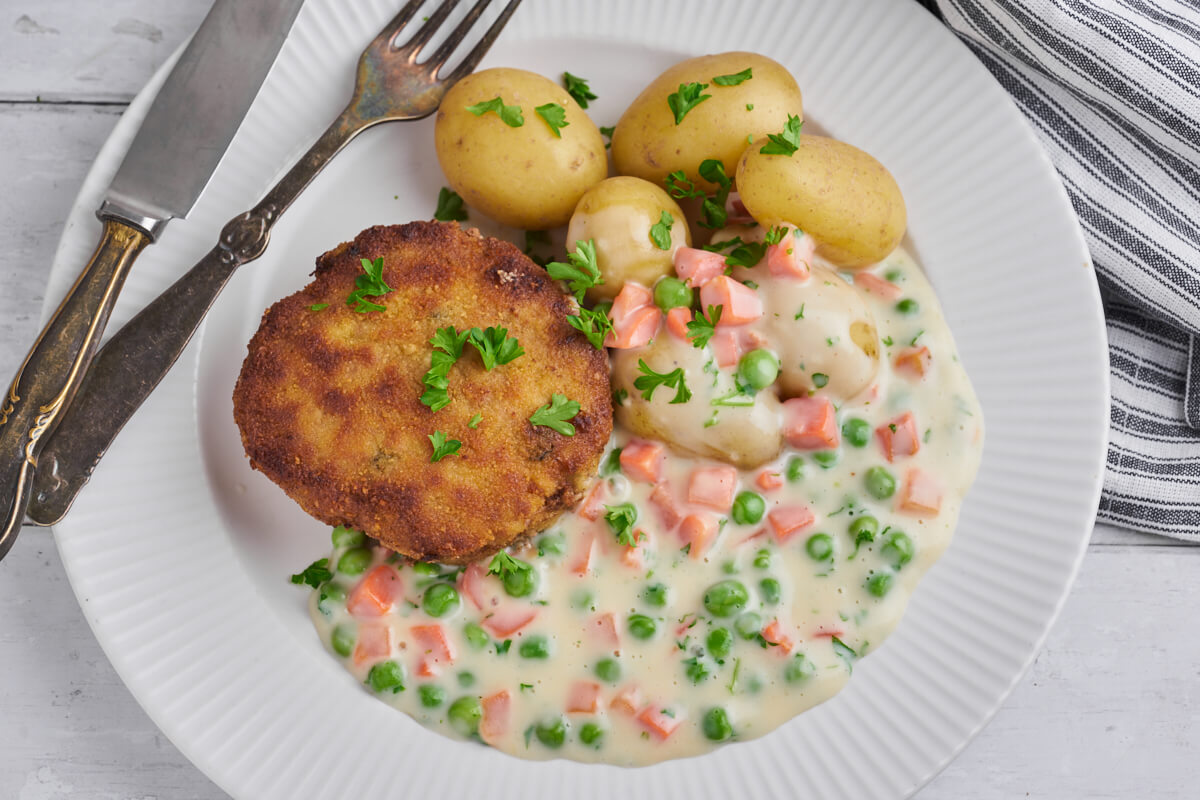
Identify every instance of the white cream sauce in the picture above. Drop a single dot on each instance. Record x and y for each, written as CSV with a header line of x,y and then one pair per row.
x,y
824,607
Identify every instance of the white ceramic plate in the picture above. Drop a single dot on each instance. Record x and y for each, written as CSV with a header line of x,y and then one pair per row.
x,y
179,554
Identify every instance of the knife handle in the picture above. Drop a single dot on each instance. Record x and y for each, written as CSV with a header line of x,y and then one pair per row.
x,y
53,370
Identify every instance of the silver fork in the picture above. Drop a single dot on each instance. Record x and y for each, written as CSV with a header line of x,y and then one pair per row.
x,y
391,85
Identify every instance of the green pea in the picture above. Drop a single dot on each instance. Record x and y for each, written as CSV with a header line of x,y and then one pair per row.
x,y
671,293
354,562
464,714
655,595
440,599
520,582
864,529
343,639
608,670
535,647
748,508
857,432
553,543
799,669
427,570
582,599
826,458
729,567
347,537
719,642
641,626
330,594
880,483
431,695
758,368
762,559
748,625
466,679
592,735
386,676
476,636
819,547
879,584
897,548
908,306
770,590
552,733
716,725
726,598
795,469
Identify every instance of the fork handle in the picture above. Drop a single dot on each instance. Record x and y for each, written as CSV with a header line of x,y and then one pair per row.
x,y
55,366
136,359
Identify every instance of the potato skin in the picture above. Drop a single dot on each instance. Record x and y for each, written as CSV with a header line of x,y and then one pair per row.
x,y
648,144
525,177
617,214
836,193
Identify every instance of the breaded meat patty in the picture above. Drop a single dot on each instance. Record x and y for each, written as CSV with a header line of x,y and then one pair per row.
x,y
329,398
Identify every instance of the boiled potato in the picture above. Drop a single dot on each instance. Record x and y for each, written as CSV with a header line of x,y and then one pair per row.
x,y
522,176
822,331
617,214
648,143
745,436
842,197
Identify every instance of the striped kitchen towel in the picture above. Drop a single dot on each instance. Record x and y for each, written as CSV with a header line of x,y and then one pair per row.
x,y
1112,90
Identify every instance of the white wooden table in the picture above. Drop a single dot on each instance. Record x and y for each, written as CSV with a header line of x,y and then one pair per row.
x,y
1111,708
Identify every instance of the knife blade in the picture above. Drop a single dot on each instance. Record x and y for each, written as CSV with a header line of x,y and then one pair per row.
x,y
181,142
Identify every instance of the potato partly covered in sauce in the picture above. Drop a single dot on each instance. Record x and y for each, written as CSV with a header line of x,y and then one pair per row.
x,y
517,147
636,227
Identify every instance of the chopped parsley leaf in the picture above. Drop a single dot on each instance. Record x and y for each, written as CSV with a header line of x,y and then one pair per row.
x,y
592,323
702,328
447,348
581,273
887,340
475,420
369,284
578,89
442,446
800,313
650,380
660,232
734,79
775,235
820,380
611,463
713,208
449,206
503,564
913,343
495,346
785,143
724,244
555,414
747,254
511,115
620,519
688,97
315,573
555,116
680,186
607,131
318,306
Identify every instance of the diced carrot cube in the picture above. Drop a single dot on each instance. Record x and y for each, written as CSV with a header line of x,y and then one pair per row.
x,y
376,593
660,723
899,437
726,344
769,480
436,651
921,493
631,297
873,284
696,266
494,723
592,507
507,620
374,643
635,556
473,585
677,322
584,698
774,633
713,487
739,303
787,521
810,423
603,629
581,558
628,700
791,257
642,460
913,360
664,501
634,330
698,530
